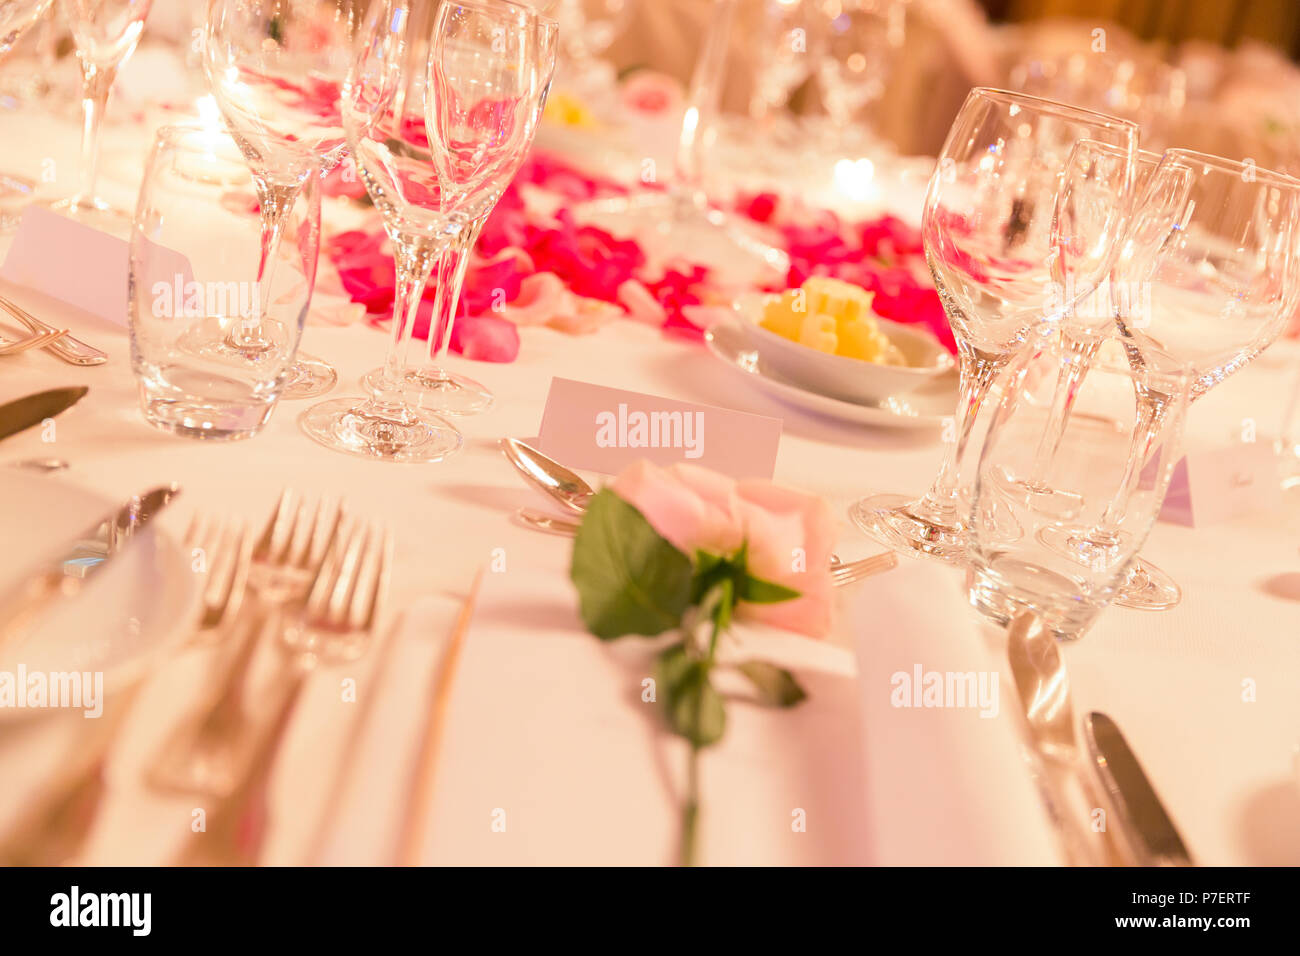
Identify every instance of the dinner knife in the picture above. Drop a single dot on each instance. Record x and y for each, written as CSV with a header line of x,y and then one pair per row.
x,y
1142,816
82,559
23,413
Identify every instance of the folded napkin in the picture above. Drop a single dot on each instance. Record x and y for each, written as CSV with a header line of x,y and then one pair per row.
x,y
945,784
550,755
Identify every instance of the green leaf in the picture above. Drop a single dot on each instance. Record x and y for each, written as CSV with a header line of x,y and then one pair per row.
x,y
757,591
694,708
630,580
776,686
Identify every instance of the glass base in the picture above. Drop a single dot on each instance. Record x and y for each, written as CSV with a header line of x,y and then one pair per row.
x,y
205,420
1000,592
1148,588
309,377
95,213
442,391
364,428
912,526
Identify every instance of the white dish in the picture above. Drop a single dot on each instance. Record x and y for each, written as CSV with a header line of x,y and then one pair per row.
x,y
847,379
923,408
135,607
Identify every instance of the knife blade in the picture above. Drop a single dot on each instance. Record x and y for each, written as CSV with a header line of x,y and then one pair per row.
x,y
1142,815
81,560
23,413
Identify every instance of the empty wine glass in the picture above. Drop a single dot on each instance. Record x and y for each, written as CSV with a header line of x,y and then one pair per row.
x,y
736,250
787,48
587,28
859,49
468,197
1011,566
989,241
276,69
106,33
406,172
16,19
1213,245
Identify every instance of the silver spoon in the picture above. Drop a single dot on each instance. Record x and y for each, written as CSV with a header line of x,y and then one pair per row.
x,y
549,475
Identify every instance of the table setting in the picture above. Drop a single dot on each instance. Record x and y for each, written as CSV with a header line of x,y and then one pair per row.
x,y
428,440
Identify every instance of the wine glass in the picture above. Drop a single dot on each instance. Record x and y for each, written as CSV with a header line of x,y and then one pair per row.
x,y
1213,244
787,49
453,118
493,47
1011,565
989,240
587,28
736,251
276,69
860,46
106,33
16,19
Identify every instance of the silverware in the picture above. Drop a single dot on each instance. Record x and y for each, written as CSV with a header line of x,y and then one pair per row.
x,y
549,475
339,615
206,753
1153,838
225,551
82,560
66,347
45,466
55,829
1044,688
23,413
842,573
37,340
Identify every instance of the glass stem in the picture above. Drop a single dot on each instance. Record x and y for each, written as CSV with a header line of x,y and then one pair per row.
x,y
1152,406
276,201
415,258
96,81
451,280
702,107
977,375
1078,356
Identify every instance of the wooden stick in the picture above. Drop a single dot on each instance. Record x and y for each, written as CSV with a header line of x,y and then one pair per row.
x,y
416,823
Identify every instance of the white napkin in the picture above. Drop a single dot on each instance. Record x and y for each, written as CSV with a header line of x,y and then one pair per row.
x,y
944,785
550,755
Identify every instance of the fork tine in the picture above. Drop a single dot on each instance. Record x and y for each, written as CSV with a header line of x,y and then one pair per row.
x,y
194,533
265,542
369,610
322,586
345,585
237,555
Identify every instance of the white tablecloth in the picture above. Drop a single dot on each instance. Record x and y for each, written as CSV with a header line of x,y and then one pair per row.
x,y
1173,680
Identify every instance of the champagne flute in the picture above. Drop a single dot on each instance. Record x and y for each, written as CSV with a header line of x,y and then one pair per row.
x,y
106,33
16,19
471,204
276,69
405,174
989,241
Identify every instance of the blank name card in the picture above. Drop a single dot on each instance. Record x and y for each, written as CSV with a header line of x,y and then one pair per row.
x,y
606,429
1216,484
70,262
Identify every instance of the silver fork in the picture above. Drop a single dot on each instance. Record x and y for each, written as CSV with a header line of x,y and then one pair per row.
x,y
339,615
226,553
67,347
55,830
37,340
205,753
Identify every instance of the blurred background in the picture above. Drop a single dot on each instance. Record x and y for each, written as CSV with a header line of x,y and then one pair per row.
x,y
1215,75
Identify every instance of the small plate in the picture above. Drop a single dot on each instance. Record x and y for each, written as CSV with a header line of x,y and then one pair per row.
x,y
923,408
137,606
847,379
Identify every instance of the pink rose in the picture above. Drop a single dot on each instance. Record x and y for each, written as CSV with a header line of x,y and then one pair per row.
x,y
789,534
